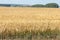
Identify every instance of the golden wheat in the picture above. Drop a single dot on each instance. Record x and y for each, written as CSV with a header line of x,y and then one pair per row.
x,y
21,19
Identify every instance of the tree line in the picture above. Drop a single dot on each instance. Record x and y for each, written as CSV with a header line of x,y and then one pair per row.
x,y
49,5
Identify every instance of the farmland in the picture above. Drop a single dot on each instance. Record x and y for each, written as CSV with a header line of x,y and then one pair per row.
x,y
18,19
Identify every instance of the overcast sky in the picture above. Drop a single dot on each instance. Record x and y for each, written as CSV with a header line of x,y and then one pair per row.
x,y
29,1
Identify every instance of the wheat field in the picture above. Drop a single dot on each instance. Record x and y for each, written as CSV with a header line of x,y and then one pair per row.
x,y
24,18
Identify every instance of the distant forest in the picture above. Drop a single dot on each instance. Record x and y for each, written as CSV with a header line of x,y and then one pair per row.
x,y
49,5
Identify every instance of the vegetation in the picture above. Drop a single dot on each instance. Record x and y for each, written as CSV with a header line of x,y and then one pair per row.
x,y
38,5
49,5
30,34
52,5
29,23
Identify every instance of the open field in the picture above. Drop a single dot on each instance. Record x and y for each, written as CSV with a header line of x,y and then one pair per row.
x,y
20,19
37,18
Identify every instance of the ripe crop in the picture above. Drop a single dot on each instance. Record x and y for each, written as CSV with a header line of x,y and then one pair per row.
x,y
32,19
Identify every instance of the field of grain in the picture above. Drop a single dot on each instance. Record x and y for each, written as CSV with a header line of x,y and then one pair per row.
x,y
20,19
29,18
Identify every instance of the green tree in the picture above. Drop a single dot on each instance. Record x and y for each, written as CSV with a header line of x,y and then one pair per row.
x,y
38,5
52,5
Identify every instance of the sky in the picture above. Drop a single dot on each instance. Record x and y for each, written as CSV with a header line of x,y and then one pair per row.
x,y
30,2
